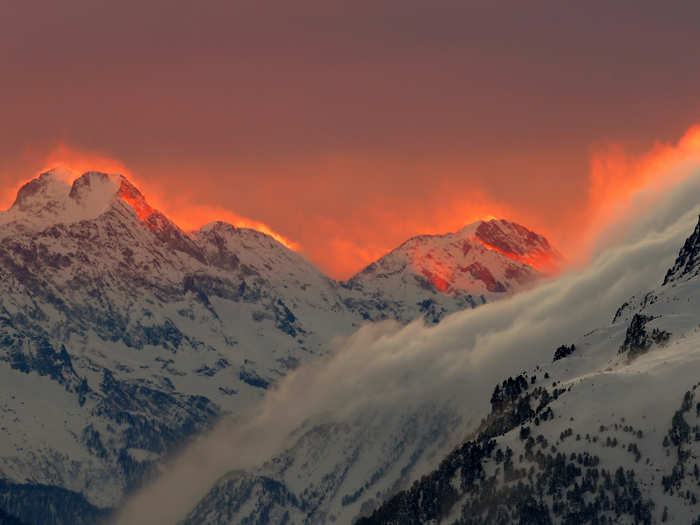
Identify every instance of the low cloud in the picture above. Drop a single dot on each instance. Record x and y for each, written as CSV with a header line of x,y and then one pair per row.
x,y
388,368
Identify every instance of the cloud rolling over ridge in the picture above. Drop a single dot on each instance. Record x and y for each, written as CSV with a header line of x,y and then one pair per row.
x,y
384,368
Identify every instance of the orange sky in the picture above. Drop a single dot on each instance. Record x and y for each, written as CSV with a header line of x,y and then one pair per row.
x,y
348,127
390,217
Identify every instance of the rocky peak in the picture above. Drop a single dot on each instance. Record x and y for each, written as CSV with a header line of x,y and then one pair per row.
x,y
218,227
230,231
44,192
253,252
225,235
510,237
518,243
687,263
58,197
131,195
94,183
99,190
483,259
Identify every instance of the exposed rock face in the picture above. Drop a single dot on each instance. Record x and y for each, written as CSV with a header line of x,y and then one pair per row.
x,y
687,264
480,272
519,243
638,340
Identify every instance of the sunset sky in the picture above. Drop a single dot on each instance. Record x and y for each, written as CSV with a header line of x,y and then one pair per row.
x,y
348,127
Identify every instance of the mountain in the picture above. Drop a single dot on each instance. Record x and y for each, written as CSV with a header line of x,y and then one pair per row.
x,y
482,262
611,436
123,336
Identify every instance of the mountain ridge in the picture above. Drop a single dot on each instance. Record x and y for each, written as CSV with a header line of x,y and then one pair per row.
x,y
100,189
124,336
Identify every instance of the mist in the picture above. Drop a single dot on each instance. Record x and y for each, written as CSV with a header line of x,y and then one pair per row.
x,y
387,368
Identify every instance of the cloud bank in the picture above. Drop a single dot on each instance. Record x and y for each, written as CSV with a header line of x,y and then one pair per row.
x,y
385,367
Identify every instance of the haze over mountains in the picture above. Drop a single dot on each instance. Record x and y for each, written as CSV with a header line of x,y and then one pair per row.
x,y
123,336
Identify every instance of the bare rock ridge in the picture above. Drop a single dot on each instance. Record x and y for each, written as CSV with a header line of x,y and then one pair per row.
x,y
687,264
519,243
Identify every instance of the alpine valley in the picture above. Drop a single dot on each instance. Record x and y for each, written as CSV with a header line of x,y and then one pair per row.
x,y
123,336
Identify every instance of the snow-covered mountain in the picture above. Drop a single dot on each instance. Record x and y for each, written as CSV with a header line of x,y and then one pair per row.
x,y
483,261
122,336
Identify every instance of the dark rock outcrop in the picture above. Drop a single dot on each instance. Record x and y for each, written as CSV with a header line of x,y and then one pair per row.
x,y
687,263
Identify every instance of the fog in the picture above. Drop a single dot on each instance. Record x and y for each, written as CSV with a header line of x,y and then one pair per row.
x,y
387,367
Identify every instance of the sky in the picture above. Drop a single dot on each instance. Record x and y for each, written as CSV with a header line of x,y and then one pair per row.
x,y
348,127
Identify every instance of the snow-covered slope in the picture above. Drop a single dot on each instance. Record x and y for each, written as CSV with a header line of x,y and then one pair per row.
x,y
121,335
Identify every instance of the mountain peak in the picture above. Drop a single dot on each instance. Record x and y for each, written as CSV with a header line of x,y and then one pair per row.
x,y
58,196
43,191
218,226
485,258
518,243
687,263
93,192
131,195
93,182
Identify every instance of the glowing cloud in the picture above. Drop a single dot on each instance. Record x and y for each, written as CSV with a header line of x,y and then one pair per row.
x,y
621,185
80,161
